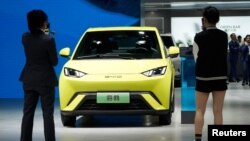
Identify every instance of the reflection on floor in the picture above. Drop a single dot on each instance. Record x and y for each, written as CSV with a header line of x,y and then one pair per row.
x,y
125,128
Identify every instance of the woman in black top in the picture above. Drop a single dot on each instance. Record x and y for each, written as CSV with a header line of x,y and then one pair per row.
x,y
210,52
38,75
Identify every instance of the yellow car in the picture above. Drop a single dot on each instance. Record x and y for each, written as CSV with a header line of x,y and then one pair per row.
x,y
118,70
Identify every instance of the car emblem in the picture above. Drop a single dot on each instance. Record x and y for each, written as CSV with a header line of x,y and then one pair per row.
x,y
113,76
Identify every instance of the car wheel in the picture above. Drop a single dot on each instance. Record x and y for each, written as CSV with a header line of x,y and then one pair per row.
x,y
68,120
165,119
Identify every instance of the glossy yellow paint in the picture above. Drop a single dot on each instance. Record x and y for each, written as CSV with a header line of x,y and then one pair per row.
x,y
147,97
74,103
105,77
152,102
174,50
111,75
65,52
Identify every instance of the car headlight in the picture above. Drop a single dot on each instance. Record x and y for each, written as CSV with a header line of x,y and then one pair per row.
x,y
155,71
73,73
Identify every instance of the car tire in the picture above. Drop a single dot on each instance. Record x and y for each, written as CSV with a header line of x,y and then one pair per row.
x,y
165,119
68,120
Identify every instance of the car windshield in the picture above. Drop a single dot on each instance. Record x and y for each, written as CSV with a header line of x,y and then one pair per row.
x,y
119,44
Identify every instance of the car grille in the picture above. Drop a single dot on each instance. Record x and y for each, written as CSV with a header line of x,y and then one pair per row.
x,y
136,103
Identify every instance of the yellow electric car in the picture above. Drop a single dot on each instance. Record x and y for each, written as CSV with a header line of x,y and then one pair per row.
x,y
118,70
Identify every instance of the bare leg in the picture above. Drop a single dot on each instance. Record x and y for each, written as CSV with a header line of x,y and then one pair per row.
x,y
201,102
218,100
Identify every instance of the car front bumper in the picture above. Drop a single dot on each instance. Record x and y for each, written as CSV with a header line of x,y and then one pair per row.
x,y
140,103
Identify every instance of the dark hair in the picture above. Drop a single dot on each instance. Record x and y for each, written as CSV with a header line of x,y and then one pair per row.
x,y
212,14
232,34
36,19
248,35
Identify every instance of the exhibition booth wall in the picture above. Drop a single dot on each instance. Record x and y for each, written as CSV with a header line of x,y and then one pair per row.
x,y
68,19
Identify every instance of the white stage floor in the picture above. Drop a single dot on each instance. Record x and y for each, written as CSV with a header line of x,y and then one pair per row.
x,y
125,128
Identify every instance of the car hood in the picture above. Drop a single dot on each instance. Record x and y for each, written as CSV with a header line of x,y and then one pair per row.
x,y
115,66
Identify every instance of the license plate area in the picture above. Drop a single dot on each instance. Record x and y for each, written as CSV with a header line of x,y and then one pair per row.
x,y
112,97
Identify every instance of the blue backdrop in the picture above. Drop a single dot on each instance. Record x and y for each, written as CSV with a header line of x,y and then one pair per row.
x,y
68,18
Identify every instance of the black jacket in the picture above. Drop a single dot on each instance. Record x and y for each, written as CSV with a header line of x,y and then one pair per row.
x,y
41,57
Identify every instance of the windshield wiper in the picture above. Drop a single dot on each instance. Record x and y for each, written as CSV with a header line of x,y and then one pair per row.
x,y
118,55
107,55
89,56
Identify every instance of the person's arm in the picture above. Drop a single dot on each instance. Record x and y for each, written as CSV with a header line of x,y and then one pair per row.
x,y
195,51
52,52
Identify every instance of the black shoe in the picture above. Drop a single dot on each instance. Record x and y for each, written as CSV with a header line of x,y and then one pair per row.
x,y
243,84
238,80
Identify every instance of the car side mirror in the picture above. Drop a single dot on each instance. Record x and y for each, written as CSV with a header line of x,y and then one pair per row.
x,y
65,52
173,51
